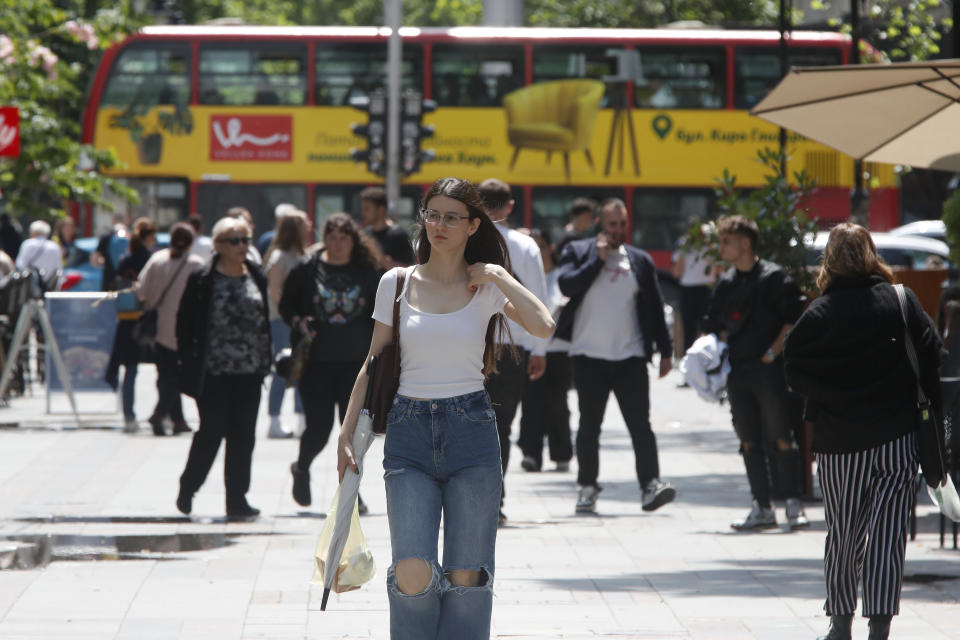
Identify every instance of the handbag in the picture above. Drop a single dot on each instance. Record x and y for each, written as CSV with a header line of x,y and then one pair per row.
x,y
931,436
145,330
291,361
386,374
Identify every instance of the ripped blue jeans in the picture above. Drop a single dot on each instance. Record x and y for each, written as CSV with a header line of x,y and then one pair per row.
x,y
443,457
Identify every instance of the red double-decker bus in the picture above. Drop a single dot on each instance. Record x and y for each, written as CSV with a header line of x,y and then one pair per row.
x,y
208,117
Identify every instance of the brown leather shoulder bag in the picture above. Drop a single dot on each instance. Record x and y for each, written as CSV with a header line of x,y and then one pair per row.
x,y
386,368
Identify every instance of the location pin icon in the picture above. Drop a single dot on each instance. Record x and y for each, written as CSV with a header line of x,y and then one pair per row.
x,y
662,125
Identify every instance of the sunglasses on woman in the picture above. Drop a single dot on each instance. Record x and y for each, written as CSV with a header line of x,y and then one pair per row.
x,y
238,241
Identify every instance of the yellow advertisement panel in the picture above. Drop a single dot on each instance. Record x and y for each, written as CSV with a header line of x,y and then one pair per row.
x,y
618,147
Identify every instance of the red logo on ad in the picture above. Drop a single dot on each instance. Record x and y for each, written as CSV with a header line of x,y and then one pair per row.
x,y
251,138
9,132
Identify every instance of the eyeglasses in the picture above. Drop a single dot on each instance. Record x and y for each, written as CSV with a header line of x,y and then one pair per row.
x,y
238,241
434,217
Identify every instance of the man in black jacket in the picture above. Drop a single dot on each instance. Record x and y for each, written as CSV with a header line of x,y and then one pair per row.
x,y
753,306
613,319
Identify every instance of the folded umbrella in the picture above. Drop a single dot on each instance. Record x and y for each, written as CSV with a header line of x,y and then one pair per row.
x,y
349,488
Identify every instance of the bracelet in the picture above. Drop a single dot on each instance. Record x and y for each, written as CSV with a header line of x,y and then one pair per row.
x,y
771,354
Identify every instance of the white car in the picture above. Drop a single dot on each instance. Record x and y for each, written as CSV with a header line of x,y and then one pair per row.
x,y
927,228
914,252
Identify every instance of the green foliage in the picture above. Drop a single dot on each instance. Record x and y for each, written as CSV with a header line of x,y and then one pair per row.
x,y
780,210
901,31
46,57
951,219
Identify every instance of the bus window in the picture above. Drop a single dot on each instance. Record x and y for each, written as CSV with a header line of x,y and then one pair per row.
x,y
551,206
354,70
254,74
757,71
679,78
163,200
475,76
215,198
556,63
661,216
146,76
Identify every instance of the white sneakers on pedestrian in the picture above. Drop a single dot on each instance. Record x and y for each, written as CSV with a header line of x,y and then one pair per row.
x,y
796,516
301,425
758,518
587,500
277,430
657,493
131,426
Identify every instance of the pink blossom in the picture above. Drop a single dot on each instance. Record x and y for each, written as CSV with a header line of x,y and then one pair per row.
x,y
93,43
6,49
73,27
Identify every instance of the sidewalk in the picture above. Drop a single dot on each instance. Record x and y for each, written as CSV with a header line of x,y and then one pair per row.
x,y
126,565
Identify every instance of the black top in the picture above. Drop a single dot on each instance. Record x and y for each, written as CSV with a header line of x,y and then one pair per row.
x,y
752,307
130,265
579,267
846,355
395,243
341,298
570,236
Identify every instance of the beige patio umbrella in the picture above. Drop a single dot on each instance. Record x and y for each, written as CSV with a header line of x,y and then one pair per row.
x,y
903,113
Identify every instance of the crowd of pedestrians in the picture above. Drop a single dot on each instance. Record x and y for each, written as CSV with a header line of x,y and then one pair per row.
x,y
494,318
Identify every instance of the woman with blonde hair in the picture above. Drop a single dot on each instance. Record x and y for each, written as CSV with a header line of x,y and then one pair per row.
x,y
289,244
846,354
223,348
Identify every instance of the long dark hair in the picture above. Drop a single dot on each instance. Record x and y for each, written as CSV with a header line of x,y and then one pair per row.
x,y
850,253
485,245
365,251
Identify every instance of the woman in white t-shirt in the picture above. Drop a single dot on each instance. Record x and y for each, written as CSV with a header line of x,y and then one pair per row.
x,y
442,452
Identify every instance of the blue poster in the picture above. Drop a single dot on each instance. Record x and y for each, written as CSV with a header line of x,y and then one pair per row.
x,y
84,332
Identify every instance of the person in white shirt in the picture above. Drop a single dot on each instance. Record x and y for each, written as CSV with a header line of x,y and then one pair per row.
x,y
39,251
441,456
506,386
613,320
202,245
696,273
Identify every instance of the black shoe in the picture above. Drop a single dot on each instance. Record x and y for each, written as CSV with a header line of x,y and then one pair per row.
x,y
185,501
879,627
179,426
840,628
157,423
361,506
502,519
241,513
529,463
301,485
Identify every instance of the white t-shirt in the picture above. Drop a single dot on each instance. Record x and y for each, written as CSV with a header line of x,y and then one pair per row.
x,y
697,268
441,354
41,253
528,268
605,325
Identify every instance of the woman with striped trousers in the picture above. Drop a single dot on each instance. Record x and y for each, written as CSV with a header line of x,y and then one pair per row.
x,y
846,355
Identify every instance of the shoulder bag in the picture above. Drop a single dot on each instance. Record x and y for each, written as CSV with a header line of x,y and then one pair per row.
x,y
386,368
145,330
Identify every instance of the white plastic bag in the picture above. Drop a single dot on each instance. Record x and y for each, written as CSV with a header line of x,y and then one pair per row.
x,y
356,564
706,367
945,497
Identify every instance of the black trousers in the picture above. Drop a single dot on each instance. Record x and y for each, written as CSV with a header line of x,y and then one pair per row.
x,y
324,387
505,389
693,306
168,392
228,411
544,412
867,500
763,412
628,379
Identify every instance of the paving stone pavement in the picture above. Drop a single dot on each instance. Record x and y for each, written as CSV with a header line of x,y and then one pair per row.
x,y
124,566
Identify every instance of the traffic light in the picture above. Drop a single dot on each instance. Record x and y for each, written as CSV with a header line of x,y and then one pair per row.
x,y
413,131
374,132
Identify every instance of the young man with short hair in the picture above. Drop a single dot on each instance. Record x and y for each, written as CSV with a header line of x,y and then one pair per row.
x,y
583,220
613,321
393,240
753,306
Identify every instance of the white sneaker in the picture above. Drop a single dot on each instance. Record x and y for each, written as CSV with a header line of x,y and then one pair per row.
x,y
587,500
276,429
301,424
131,426
758,518
656,494
796,516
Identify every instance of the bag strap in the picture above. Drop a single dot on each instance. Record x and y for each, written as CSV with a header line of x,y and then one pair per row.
x,y
401,277
908,342
163,295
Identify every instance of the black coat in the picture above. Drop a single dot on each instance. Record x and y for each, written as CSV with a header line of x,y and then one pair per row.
x,y
846,355
193,317
580,264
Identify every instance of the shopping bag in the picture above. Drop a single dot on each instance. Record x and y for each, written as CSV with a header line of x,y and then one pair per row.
x,y
356,564
944,495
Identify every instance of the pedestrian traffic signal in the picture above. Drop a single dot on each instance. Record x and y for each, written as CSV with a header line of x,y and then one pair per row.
x,y
374,132
413,131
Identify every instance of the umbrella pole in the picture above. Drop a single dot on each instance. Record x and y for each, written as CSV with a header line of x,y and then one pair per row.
x,y
323,603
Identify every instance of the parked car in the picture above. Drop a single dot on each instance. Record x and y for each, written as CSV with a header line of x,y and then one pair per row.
x,y
909,251
80,275
935,229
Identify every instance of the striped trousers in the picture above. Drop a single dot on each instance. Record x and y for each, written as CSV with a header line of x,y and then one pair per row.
x,y
867,499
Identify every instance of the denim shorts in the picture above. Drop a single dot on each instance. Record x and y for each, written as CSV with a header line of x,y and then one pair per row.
x,y
442,457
